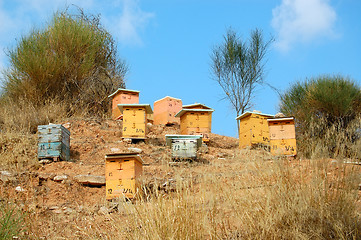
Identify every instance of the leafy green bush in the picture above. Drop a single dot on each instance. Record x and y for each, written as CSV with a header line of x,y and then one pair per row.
x,y
73,59
327,111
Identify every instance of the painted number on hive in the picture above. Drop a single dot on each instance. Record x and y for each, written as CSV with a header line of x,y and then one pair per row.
x,y
289,148
127,190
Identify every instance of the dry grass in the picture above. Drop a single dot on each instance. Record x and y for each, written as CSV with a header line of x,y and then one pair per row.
x,y
21,116
17,151
335,140
244,194
253,199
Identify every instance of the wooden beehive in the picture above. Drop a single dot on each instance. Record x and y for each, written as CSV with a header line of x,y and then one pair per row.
x,y
122,172
253,129
196,119
122,96
184,146
282,136
165,110
53,142
135,120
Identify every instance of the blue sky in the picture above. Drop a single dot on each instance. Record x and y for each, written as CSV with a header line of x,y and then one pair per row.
x,y
168,44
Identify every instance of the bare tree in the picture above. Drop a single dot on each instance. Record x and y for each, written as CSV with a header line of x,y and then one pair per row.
x,y
238,67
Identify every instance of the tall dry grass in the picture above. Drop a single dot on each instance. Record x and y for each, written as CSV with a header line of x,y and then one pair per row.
x,y
335,140
18,123
21,116
252,199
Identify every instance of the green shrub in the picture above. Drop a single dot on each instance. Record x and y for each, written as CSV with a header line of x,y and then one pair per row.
x,y
327,111
73,59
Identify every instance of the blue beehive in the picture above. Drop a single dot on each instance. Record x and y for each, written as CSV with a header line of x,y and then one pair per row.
x,y
53,142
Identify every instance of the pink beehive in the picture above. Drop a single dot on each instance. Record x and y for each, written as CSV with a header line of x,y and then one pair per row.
x,y
165,110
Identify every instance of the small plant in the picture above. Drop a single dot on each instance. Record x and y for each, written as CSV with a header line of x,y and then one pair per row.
x,y
11,221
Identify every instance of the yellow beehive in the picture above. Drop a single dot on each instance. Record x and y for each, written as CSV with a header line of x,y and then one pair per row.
x,y
253,129
122,172
196,119
282,136
135,120
122,96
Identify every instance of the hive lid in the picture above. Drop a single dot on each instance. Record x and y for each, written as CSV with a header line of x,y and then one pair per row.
x,y
168,97
280,119
183,111
122,90
53,126
192,106
246,114
124,155
148,108
170,137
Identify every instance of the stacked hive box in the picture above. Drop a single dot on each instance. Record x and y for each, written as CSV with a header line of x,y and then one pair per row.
x,y
53,142
165,110
122,172
123,96
282,136
184,146
135,120
253,129
196,119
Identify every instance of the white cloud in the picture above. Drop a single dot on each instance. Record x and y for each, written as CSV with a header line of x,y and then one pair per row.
x,y
131,21
302,21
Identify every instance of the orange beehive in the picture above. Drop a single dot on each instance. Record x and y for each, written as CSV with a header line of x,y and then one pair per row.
x,y
122,172
165,110
123,96
135,120
196,119
253,129
282,136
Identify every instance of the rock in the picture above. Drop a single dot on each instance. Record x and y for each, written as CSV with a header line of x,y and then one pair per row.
x,y
149,124
19,189
60,178
136,150
45,161
67,182
67,210
67,125
334,161
46,176
6,173
90,180
58,211
6,177
103,210
115,150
